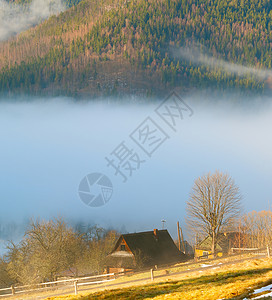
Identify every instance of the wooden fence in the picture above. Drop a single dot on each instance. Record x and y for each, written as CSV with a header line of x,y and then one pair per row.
x,y
239,251
76,283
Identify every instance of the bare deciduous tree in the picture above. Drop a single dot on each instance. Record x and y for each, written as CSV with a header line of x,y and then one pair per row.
x,y
51,249
213,206
98,243
5,278
48,248
257,226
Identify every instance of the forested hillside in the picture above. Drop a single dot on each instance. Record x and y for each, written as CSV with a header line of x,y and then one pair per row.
x,y
112,46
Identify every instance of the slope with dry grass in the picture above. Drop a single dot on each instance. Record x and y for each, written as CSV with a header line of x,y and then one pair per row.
x,y
230,282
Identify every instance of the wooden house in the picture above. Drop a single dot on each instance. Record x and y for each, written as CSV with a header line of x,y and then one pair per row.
x,y
143,250
226,241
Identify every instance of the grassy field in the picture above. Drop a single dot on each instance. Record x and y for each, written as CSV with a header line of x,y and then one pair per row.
x,y
235,281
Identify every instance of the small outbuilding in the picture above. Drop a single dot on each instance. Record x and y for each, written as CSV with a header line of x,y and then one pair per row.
x,y
226,243
143,250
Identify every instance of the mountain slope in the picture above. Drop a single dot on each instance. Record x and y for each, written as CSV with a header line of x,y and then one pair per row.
x,y
111,46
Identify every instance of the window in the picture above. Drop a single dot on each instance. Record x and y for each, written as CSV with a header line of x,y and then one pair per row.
x,y
205,254
123,247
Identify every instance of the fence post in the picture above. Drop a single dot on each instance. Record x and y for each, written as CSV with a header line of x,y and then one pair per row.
x,y
151,274
268,252
75,284
12,290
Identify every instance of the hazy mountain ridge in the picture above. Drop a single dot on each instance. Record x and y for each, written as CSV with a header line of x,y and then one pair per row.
x,y
114,47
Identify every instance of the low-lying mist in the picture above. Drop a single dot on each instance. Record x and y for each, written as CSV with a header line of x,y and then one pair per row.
x,y
49,145
201,57
15,18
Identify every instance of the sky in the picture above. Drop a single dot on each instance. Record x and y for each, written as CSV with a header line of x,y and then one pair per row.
x,y
49,145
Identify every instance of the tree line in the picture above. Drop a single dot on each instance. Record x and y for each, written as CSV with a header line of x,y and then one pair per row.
x,y
50,249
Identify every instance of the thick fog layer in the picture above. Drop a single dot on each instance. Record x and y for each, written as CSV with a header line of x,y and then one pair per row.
x,y
15,18
48,146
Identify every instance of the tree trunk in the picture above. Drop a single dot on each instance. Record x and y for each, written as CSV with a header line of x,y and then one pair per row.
x,y
213,245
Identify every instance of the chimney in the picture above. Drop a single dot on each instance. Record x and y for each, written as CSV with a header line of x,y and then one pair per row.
x,y
156,233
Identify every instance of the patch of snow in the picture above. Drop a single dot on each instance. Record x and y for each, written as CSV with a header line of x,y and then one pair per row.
x,y
262,296
263,289
205,266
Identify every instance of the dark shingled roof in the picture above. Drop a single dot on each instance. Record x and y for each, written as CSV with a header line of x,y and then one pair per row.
x,y
153,250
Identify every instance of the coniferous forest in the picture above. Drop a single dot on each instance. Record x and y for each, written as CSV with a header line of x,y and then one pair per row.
x,y
111,47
